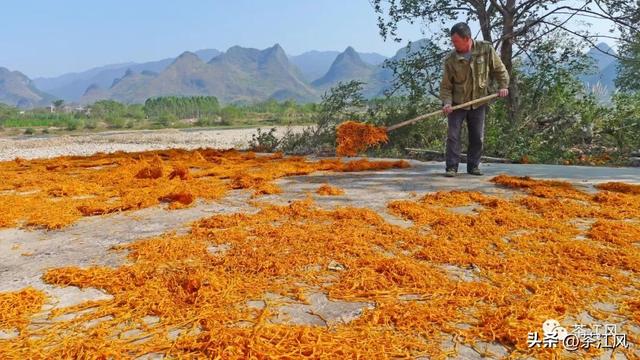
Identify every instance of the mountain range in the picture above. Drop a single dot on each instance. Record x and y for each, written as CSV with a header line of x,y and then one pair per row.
x,y
315,64
237,75
72,86
18,90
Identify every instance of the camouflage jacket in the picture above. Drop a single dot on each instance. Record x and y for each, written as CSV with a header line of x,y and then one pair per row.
x,y
464,80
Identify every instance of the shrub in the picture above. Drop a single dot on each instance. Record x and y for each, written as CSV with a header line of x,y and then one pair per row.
x,y
264,141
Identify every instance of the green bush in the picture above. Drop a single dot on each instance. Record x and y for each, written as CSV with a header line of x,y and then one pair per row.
x,y
90,124
116,122
166,120
73,124
621,125
264,141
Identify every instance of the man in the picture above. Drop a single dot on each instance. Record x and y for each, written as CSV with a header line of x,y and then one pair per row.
x,y
466,77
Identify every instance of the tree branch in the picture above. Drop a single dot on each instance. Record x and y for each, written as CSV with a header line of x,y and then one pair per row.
x,y
541,20
587,39
500,7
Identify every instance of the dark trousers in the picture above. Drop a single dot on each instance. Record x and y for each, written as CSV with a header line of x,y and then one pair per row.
x,y
475,127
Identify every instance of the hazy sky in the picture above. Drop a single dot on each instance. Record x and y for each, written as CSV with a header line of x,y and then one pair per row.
x,y
44,37
47,38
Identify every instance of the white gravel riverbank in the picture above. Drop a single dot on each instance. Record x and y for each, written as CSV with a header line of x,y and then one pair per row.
x,y
130,141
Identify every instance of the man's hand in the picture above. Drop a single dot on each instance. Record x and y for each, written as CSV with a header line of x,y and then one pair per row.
x,y
447,109
503,92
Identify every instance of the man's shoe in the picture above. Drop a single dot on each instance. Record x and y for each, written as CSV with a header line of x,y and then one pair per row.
x,y
450,173
475,171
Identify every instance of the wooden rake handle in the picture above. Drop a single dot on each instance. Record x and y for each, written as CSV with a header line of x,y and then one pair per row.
x,y
439,112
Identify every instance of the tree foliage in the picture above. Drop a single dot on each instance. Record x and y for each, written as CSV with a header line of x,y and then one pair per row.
x,y
509,24
182,107
516,28
628,78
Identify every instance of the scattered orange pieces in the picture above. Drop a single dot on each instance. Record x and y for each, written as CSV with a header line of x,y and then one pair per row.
x,y
620,187
326,189
184,198
354,137
181,172
490,276
17,307
53,193
542,188
267,189
152,171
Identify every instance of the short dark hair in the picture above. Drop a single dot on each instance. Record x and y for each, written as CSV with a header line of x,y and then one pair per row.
x,y
462,29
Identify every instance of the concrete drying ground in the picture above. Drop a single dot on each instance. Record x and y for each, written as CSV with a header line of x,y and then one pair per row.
x,y
25,254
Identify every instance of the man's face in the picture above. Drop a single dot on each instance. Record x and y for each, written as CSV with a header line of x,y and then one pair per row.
x,y
461,44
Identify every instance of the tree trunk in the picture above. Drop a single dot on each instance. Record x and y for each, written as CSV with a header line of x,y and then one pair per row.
x,y
485,24
506,54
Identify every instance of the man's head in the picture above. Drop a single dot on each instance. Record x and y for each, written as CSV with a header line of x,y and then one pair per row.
x,y
461,37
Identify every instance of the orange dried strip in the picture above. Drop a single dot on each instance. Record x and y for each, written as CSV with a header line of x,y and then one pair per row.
x,y
53,193
181,172
354,137
16,308
540,188
184,198
326,189
620,187
500,271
